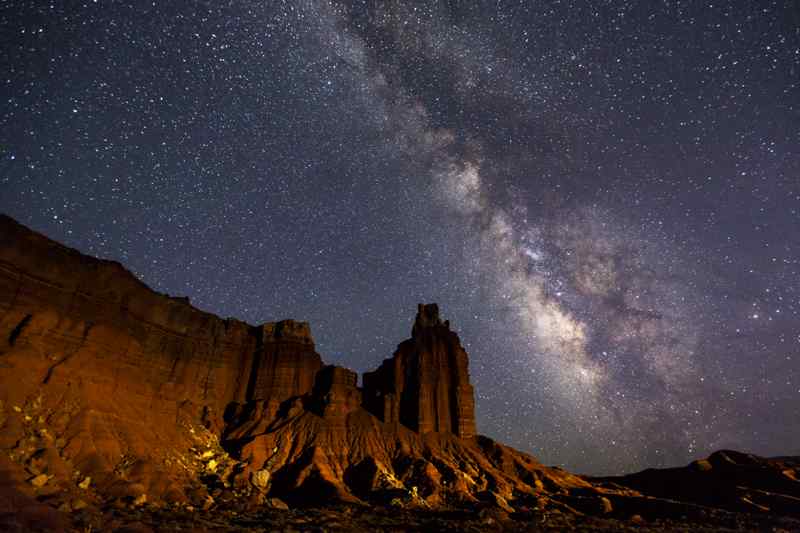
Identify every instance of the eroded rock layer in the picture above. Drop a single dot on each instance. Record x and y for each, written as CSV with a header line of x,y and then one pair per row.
x,y
285,364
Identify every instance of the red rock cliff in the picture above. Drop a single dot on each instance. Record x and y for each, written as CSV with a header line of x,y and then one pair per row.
x,y
285,363
115,371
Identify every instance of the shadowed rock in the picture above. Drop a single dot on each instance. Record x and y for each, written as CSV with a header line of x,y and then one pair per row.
x,y
335,392
727,479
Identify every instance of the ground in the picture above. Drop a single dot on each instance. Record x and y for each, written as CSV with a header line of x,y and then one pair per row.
x,y
141,519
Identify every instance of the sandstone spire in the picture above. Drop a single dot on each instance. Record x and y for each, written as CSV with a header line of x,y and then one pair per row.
x,y
425,385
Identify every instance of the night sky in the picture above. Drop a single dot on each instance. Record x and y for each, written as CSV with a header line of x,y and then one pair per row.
x,y
603,197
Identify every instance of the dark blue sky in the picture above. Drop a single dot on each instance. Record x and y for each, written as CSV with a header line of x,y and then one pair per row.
x,y
603,197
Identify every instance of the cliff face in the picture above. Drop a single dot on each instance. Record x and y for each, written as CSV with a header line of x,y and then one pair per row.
x,y
285,364
425,386
109,367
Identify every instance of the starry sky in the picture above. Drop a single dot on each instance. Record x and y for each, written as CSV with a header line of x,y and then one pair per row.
x,y
602,196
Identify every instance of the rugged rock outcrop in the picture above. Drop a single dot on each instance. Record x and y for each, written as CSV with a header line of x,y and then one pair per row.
x,y
425,386
329,445
285,364
100,374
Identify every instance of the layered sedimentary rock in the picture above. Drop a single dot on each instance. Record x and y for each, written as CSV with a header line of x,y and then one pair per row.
x,y
335,392
105,377
425,385
285,364
108,368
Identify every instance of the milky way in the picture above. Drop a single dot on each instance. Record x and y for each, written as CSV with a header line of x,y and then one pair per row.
x,y
604,199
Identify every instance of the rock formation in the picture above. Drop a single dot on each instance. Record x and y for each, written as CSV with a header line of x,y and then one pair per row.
x,y
425,386
113,394
284,364
335,392
105,378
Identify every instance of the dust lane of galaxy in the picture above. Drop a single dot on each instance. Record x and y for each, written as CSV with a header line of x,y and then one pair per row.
x,y
604,199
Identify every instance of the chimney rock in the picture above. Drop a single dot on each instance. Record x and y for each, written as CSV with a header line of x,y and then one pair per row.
x,y
425,385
